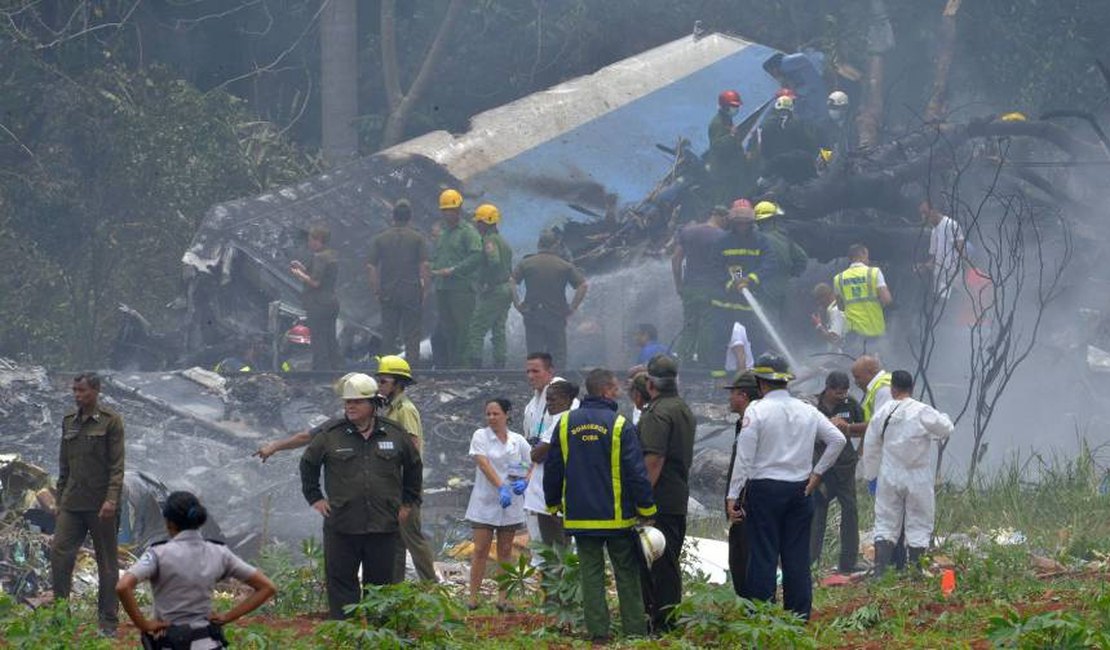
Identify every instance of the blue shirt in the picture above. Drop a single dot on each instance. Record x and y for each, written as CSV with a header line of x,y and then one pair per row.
x,y
650,350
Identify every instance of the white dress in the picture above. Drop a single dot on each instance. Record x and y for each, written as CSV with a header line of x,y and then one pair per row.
x,y
513,458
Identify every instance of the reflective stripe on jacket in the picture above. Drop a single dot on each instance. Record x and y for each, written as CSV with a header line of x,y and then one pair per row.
x,y
858,288
595,470
869,399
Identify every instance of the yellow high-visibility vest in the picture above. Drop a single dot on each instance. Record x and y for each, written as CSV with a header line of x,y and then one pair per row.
x,y
858,288
869,399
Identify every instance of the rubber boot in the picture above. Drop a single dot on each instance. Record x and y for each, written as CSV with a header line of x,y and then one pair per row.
x,y
883,551
913,560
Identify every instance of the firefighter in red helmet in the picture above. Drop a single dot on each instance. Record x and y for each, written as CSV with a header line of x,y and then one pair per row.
x,y
727,164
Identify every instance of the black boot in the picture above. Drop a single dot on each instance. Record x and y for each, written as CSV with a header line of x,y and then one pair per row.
x,y
883,551
914,555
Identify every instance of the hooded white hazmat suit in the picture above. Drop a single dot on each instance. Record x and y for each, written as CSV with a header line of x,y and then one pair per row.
x,y
901,457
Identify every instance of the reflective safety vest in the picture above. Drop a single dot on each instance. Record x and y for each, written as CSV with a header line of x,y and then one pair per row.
x,y
597,505
858,288
869,399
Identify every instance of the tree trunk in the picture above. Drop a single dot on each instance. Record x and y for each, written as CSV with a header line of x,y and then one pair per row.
x,y
400,107
880,39
946,50
339,80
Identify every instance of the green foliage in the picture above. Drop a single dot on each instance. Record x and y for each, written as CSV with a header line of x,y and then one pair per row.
x,y
396,616
514,578
561,583
46,628
1050,630
302,582
713,615
862,618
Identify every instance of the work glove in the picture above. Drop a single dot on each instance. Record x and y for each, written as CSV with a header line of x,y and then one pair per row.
x,y
520,485
873,486
506,495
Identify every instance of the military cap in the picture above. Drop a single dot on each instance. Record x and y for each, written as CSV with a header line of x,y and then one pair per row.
x,y
662,366
743,379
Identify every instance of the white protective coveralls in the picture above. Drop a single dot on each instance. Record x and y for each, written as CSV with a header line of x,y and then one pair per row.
x,y
902,459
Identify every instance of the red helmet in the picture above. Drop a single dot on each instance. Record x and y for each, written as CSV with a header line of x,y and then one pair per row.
x,y
786,92
729,98
741,203
299,334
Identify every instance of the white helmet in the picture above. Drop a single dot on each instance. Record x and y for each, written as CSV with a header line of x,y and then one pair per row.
x,y
652,542
358,386
838,98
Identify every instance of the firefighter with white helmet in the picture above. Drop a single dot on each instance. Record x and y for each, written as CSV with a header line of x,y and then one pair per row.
x,y
372,477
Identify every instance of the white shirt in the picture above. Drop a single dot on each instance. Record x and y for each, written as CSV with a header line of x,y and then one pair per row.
x,y
882,396
907,443
776,441
944,246
511,458
533,497
538,424
739,339
835,322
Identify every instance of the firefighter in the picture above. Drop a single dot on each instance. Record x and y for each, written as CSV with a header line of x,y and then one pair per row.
x,y
494,291
595,475
458,254
792,257
726,161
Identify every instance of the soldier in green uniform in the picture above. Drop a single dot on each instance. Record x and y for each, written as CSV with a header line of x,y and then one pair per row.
x,y
667,428
456,260
398,267
318,298
730,171
373,475
546,276
90,477
494,291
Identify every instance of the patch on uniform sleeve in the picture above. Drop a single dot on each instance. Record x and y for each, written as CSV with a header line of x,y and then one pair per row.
x,y
146,560
385,445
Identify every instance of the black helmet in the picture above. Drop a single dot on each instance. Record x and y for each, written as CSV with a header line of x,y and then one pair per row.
x,y
771,367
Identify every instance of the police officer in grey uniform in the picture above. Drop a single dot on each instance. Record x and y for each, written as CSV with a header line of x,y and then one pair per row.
x,y
183,572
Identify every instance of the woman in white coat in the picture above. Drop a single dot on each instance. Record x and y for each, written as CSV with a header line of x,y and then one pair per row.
x,y
503,460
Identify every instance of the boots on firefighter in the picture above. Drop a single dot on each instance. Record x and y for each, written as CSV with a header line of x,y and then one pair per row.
x,y
883,552
913,560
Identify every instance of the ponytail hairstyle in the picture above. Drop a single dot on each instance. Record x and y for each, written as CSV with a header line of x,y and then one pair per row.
x,y
184,511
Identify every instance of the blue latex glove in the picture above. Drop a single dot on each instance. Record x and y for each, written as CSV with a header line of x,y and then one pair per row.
x,y
506,495
873,486
520,485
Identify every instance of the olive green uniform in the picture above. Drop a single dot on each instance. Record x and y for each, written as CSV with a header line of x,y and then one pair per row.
x,y
494,299
460,249
322,308
402,411
546,277
398,253
367,480
793,259
667,428
731,174
90,472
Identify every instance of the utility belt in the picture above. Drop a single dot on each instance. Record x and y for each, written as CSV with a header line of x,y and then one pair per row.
x,y
181,637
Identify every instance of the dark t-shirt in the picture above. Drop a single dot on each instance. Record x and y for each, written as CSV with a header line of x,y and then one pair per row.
x,y
699,242
546,277
667,429
324,269
851,411
398,254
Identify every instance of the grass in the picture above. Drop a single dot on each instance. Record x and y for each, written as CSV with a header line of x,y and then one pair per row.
x,y
1048,590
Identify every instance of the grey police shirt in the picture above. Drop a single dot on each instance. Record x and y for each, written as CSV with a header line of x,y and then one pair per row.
x,y
183,573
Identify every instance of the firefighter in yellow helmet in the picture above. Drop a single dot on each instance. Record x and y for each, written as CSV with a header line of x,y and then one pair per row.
x,y
494,291
455,263
791,257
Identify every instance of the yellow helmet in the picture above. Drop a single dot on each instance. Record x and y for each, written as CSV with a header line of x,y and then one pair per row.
x,y
356,385
394,365
766,210
450,199
1013,117
825,154
488,213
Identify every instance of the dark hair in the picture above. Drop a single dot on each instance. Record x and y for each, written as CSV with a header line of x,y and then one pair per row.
x,y
598,380
902,381
564,389
856,250
505,404
837,379
91,379
648,330
184,511
638,384
320,234
402,211
542,356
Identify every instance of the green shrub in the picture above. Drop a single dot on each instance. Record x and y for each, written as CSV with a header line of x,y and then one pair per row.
x,y
714,615
396,616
